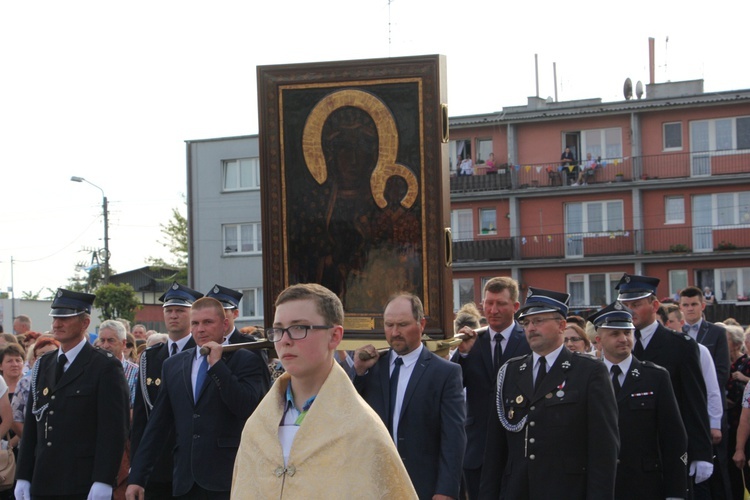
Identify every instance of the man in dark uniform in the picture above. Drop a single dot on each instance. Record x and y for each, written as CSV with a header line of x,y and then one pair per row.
x,y
177,302
678,353
480,356
77,414
230,301
554,432
653,442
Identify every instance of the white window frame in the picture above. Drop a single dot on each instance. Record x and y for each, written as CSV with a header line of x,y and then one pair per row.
x,y
257,238
677,216
254,173
741,274
714,141
678,280
457,292
459,232
492,229
600,147
665,147
605,231
481,157
611,295
257,303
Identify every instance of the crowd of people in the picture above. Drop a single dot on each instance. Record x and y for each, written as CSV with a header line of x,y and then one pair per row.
x,y
639,400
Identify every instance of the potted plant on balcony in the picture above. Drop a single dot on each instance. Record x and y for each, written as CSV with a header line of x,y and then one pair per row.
x,y
678,248
726,245
619,177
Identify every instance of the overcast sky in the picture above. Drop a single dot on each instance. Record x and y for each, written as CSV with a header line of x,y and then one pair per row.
x,y
110,90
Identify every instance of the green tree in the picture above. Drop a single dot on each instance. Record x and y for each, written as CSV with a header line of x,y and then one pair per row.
x,y
176,240
117,301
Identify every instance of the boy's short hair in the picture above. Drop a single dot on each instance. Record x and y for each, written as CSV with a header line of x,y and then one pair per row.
x,y
328,304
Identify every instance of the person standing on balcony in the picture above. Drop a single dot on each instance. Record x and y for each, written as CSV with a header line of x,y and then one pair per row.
x,y
568,163
466,167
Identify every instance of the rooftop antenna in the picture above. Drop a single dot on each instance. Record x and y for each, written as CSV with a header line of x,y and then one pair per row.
x,y
554,73
666,53
389,27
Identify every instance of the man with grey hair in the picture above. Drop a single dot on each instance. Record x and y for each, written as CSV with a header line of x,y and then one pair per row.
x,y
21,324
112,338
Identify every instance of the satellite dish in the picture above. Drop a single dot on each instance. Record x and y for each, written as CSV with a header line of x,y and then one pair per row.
x,y
639,89
550,100
627,89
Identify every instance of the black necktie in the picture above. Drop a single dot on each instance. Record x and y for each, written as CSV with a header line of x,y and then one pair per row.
x,y
638,349
616,371
541,373
498,352
174,348
60,369
394,391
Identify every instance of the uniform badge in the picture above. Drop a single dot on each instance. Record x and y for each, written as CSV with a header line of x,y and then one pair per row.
x,y
618,306
216,289
548,395
510,413
565,365
175,286
149,381
45,391
560,393
157,382
59,293
519,399
522,367
635,373
684,458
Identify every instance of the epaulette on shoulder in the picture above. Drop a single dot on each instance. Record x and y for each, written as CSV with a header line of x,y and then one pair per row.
x,y
155,346
516,359
584,356
652,366
103,352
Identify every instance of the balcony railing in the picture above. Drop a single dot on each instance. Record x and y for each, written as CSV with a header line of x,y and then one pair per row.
x,y
577,245
609,170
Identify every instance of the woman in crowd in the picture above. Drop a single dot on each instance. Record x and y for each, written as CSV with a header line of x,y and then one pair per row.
x,y
130,352
739,375
576,340
12,359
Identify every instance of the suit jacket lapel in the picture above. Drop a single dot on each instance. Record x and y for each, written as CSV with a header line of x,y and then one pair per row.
x,y
419,368
555,375
485,351
187,372
526,377
631,380
512,344
702,331
655,345
384,363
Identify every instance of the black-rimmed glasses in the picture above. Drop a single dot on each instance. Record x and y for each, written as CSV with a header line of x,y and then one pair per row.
x,y
295,332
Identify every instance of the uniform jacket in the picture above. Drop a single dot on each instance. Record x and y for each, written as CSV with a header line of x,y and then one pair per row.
x,y
341,450
80,437
678,353
567,448
150,364
653,442
479,379
207,432
431,436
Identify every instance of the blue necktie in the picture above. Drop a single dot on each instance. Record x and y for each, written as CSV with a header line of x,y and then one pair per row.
x,y
394,391
201,378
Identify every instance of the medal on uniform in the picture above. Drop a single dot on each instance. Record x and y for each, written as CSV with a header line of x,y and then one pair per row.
x,y
560,393
157,381
148,381
510,413
519,399
45,391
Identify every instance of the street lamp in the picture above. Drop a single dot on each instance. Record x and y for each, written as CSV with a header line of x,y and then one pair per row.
x,y
106,225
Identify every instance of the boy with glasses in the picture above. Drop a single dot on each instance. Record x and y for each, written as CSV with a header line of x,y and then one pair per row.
x,y
312,426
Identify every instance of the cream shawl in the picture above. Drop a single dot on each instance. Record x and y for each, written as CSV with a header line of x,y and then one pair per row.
x,y
341,450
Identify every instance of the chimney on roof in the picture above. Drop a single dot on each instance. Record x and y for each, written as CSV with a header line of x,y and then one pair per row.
x,y
651,62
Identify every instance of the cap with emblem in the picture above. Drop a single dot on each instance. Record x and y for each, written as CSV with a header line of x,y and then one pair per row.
x,y
69,303
634,287
613,316
229,298
180,295
541,301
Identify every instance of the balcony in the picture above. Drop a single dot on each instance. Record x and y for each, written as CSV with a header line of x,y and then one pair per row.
x,y
676,241
701,165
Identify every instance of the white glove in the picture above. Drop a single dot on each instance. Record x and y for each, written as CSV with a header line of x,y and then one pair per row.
x,y
100,491
23,490
701,470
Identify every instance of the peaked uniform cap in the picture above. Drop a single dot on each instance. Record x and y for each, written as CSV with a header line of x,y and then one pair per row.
x,y
615,315
634,287
69,303
230,299
180,295
540,301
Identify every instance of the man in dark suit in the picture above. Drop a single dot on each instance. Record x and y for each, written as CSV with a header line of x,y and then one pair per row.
x,y
419,396
554,432
206,399
678,353
480,357
653,443
177,301
77,416
714,337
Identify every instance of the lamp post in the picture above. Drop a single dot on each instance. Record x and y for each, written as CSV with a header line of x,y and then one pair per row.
x,y
106,225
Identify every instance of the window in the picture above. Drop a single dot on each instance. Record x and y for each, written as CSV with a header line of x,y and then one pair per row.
x,y
594,217
723,209
241,174
672,136
252,303
720,135
674,209
459,148
605,143
242,238
484,148
734,284
488,221
462,224
678,280
593,290
463,292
